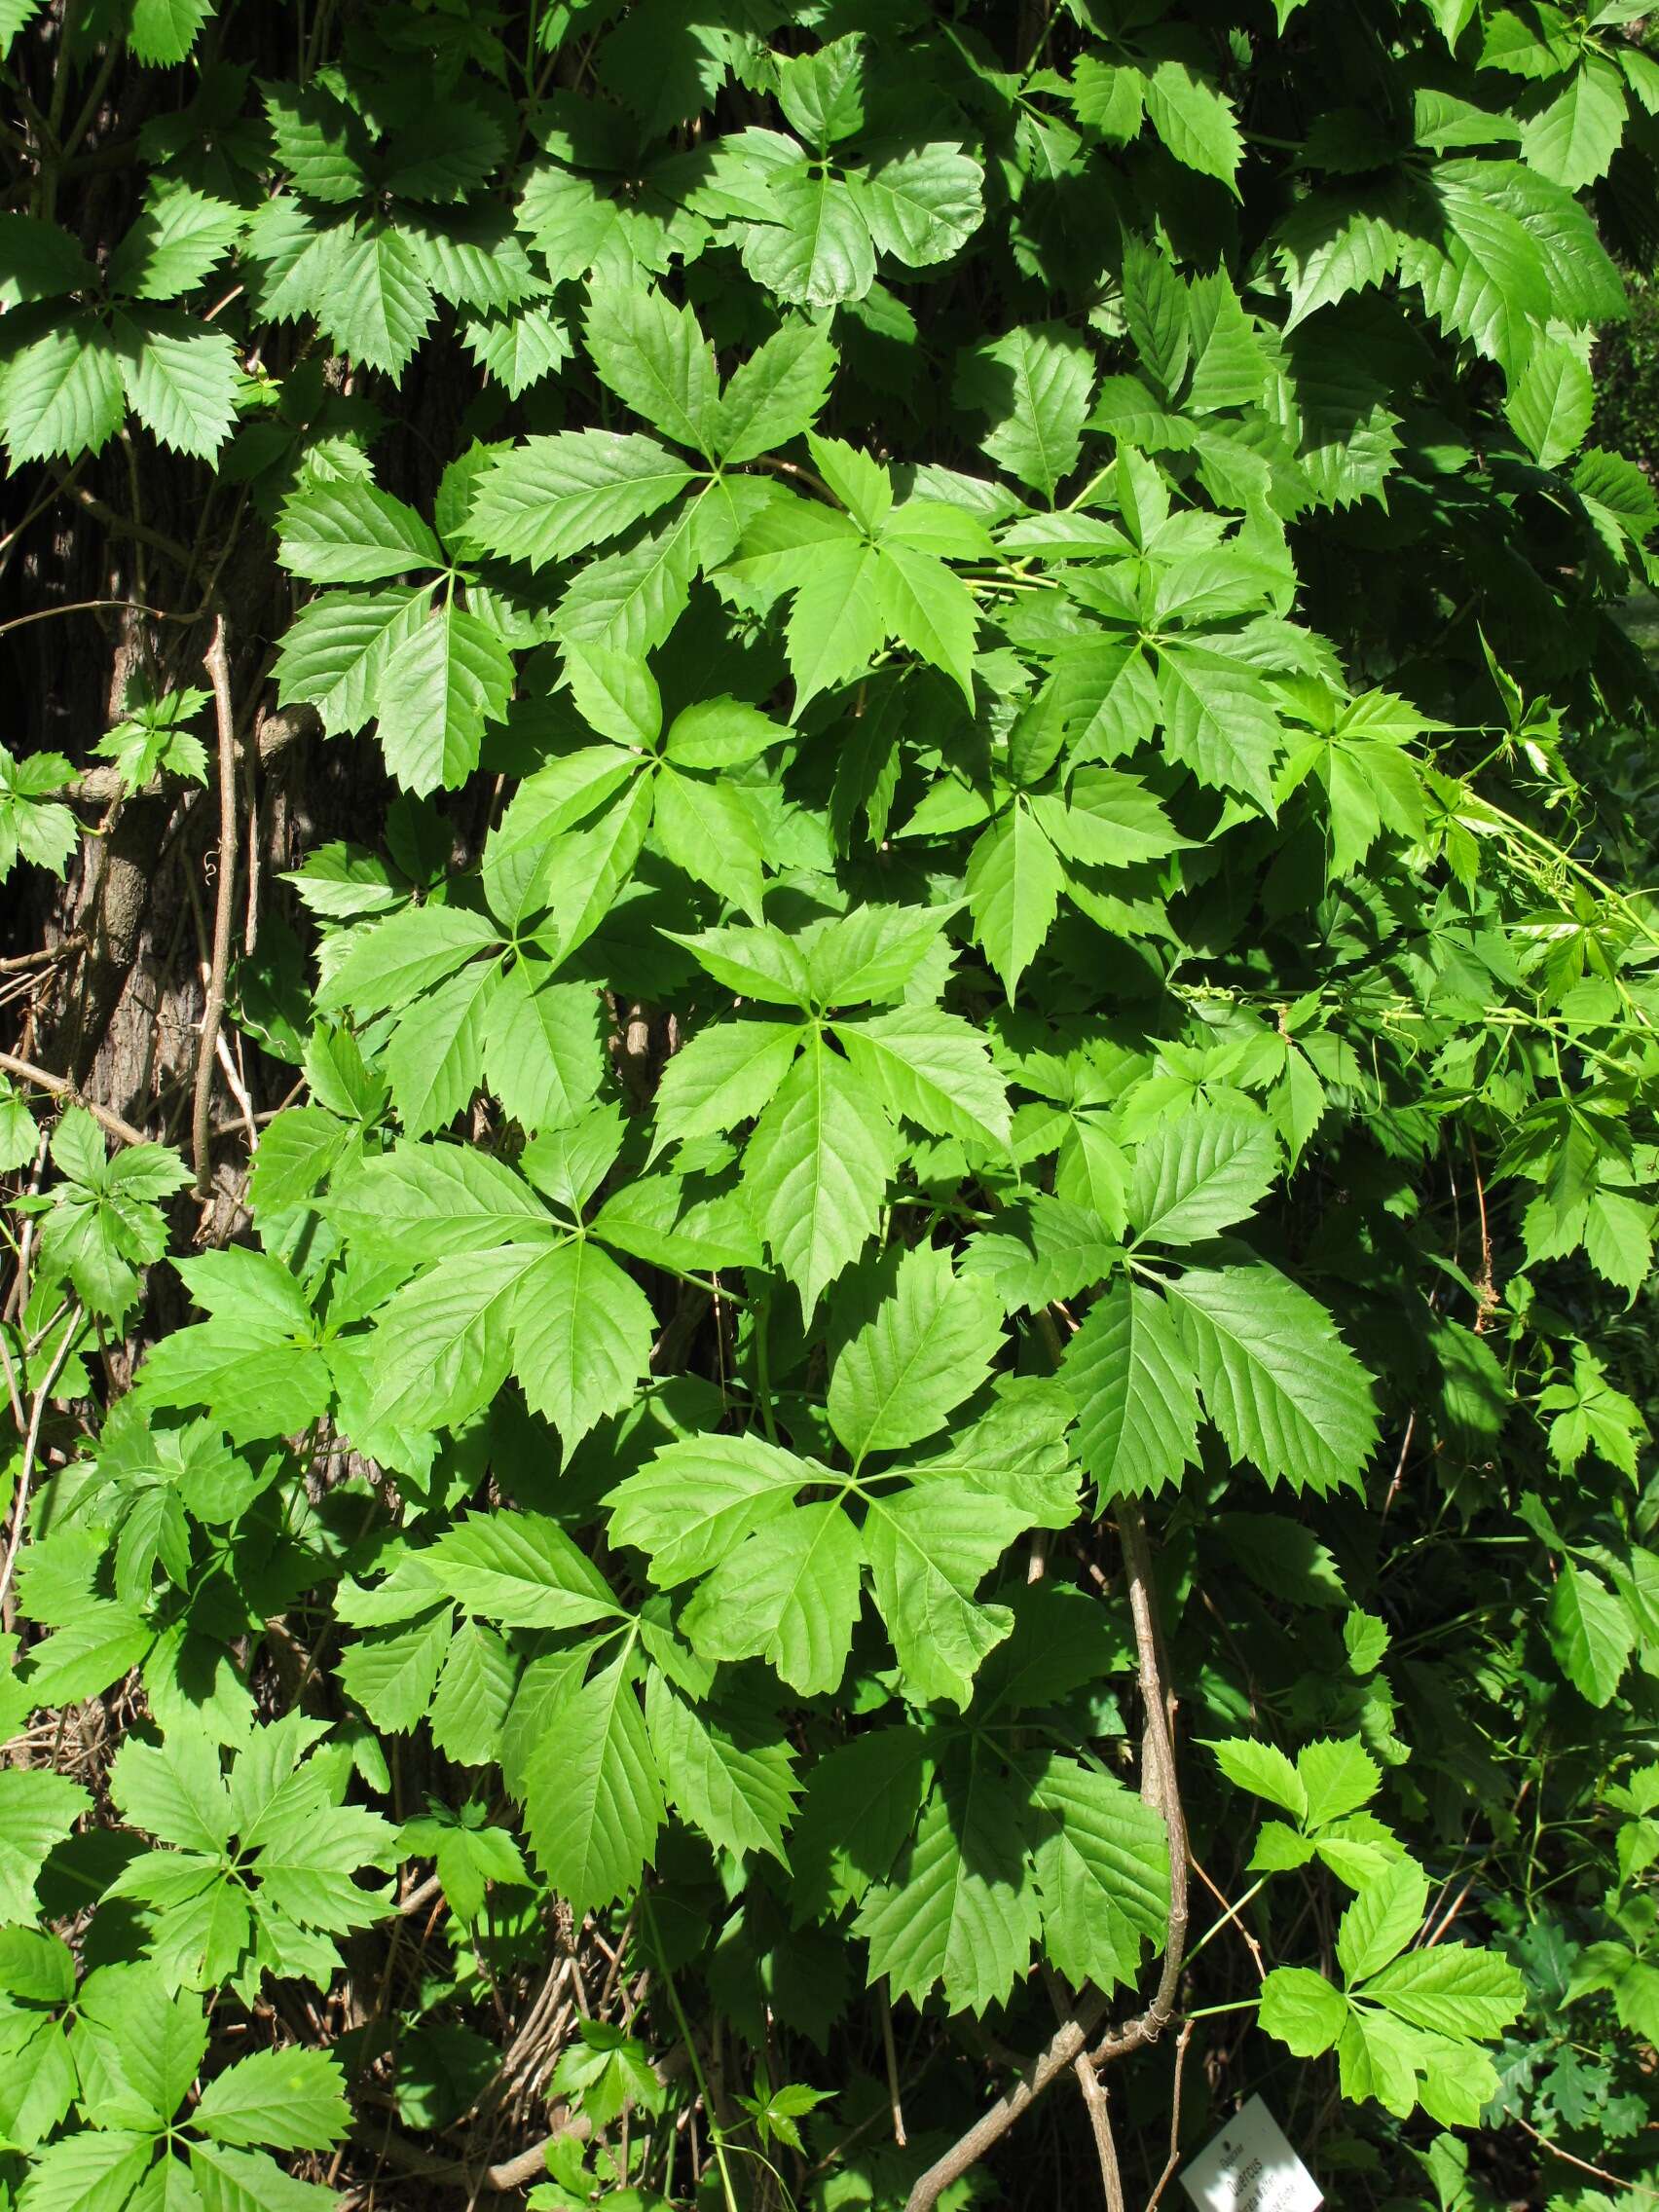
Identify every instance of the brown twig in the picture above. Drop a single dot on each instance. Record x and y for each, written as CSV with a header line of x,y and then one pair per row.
x,y
216,661
891,2058
1160,1787
1099,2112
1059,2053
1584,2167
1174,2157
61,1087
1486,1301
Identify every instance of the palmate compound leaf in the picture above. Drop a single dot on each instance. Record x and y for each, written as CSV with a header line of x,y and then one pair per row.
x,y
1278,1381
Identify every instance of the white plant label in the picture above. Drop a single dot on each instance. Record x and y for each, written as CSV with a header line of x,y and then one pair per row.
x,y
1250,2167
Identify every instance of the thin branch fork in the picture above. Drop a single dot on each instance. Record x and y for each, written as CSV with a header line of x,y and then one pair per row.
x,y
1160,1787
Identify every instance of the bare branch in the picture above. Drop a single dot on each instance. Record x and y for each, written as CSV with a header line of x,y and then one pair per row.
x,y
1096,2105
216,662
61,1087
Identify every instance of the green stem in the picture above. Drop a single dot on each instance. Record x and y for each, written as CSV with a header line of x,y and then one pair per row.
x,y
716,2133
1226,1921
762,1367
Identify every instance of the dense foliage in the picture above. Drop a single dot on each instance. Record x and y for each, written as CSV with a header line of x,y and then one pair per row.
x,y
885,1339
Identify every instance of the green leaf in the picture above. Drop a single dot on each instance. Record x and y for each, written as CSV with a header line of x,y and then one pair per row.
x,y
1591,1633
815,1171
519,1569
377,304
543,1055
231,2180
474,1692
1015,880
62,394
593,1804
1194,120
838,620
929,609
1572,138
816,250
1303,2010
739,1790
655,358
1135,1393
925,1341
1034,385
550,497
1280,1383
930,1069
171,246
1338,1776
860,1805
1450,1990
95,2171
334,652
351,533
438,686
822,93
443,1343
789,1594
929,1549
518,347
922,205
37,1810
164,31
960,1912
776,394
1263,1770
582,1335
392,1672
289,2100
696,1500
1103,1872
707,829
1551,406
1199,1173
724,1075
1382,1920
616,693
1219,719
